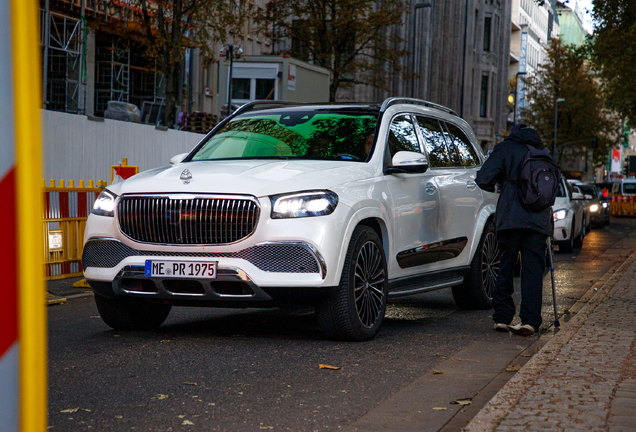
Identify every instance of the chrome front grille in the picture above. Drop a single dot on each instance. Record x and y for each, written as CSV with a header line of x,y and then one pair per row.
x,y
199,220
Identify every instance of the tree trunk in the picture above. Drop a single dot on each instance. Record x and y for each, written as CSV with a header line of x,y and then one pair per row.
x,y
172,93
333,86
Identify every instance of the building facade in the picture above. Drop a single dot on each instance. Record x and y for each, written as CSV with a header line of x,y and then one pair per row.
x,y
458,58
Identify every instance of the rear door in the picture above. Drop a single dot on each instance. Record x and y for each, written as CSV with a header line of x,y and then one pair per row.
x,y
460,198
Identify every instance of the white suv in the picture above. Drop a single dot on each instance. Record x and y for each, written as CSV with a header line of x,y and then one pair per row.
x,y
340,206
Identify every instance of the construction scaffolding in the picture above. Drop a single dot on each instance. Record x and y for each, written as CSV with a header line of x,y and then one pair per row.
x,y
63,40
123,74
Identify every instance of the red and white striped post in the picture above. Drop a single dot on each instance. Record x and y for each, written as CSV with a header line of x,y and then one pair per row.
x,y
22,305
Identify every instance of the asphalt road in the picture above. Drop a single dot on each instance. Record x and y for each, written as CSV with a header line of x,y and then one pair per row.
x,y
250,370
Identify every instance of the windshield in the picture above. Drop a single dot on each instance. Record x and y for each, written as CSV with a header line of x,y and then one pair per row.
x,y
324,134
588,190
629,188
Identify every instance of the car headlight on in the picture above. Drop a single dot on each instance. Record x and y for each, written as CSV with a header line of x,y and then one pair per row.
x,y
105,204
560,214
605,205
303,204
594,207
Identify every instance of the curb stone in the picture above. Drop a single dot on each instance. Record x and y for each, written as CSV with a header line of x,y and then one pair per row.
x,y
508,397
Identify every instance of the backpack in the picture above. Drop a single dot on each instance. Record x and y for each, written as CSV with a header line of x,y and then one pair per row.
x,y
538,181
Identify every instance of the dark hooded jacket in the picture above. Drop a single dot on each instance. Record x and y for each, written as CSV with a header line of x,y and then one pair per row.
x,y
504,164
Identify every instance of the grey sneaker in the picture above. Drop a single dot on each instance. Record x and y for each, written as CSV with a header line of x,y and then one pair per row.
x,y
522,329
501,327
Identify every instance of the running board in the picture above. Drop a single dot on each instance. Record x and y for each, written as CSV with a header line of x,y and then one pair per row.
x,y
422,287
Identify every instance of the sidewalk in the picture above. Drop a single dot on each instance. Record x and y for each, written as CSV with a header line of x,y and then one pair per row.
x,y
584,378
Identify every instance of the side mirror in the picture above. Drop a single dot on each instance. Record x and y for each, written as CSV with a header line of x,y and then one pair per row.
x,y
588,197
178,158
577,196
407,162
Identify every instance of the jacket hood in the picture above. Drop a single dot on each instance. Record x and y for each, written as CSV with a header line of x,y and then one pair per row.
x,y
527,136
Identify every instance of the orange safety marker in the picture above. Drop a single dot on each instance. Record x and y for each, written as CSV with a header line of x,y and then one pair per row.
x,y
22,306
123,170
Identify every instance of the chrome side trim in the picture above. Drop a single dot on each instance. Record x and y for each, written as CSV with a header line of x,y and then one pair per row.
x,y
446,283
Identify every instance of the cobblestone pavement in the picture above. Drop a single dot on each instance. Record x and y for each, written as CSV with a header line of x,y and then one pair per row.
x,y
584,378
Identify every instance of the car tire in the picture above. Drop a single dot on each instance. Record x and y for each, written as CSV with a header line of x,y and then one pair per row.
x,y
355,309
131,314
578,240
479,283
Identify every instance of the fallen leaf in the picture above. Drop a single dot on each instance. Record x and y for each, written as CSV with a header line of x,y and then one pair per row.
x,y
462,401
187,423
161,396
181,416
165,340
513,368
439,408
87,410
436,372
70,410
452,358
266,427
190,383
314,411
119,416
212,404
324,366
344,391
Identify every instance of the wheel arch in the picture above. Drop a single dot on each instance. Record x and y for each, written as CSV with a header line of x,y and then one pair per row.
x,y
486,215
373,218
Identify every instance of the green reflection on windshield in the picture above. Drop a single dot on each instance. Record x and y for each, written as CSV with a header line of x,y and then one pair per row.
x,y
308,135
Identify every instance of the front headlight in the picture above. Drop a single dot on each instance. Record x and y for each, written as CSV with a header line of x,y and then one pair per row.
x,y
605,205
594,207
105,204
560,214
303,204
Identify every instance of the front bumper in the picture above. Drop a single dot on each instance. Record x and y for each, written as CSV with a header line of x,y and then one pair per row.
x,y
116,269
562,229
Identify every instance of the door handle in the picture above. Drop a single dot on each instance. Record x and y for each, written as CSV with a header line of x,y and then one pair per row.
x,y
430,189
471,185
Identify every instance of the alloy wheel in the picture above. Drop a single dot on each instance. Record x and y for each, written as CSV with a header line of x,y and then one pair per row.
x,y
490,263
368,284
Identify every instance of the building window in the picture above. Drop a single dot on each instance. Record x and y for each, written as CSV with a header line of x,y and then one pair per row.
x,y
483,101
487,27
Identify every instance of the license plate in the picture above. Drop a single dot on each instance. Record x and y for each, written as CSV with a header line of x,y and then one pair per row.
x,y
182,269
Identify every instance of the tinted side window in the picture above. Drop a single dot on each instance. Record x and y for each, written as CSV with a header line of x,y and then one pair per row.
x,y
561,193
465,150
434,142
402,136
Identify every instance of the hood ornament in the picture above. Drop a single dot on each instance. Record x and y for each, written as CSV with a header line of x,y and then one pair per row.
x,y
186,176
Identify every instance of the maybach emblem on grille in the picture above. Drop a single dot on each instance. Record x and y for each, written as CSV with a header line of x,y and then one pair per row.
x,y
186,175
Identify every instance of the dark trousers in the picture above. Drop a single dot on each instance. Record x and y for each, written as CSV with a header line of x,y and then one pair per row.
x,y
532,246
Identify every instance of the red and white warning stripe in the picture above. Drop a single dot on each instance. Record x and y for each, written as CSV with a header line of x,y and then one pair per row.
x,y
9,346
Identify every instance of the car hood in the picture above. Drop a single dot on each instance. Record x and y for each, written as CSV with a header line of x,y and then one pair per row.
x,y
252,177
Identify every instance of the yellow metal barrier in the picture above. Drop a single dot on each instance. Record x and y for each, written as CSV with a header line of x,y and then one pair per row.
x,y
623,205
66,209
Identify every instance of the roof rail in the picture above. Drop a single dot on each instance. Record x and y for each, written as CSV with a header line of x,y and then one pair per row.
x,y
251,105
396,100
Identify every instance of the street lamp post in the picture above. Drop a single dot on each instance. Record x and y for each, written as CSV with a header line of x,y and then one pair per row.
x,y
415,8
229,51
556,119
516,91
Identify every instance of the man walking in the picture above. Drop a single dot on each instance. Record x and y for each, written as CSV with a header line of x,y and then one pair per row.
x,y
518,230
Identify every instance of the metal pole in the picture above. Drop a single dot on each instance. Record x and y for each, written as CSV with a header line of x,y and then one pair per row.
x,y
230,53
45,40
556,119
